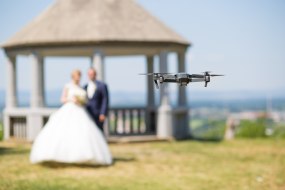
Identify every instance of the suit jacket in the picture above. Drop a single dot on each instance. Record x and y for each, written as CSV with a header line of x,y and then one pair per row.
x,y
99,103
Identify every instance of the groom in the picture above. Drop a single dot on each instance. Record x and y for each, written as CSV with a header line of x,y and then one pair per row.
x,y
97,104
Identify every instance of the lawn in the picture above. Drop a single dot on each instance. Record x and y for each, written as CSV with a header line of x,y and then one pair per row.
x,y
236,165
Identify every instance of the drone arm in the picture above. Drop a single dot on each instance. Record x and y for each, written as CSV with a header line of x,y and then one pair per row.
x,y
169,78
198,80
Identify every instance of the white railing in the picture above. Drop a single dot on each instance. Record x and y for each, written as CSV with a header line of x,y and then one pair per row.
x,y
131,121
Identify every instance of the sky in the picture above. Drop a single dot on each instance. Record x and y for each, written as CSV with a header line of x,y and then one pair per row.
x,y
243,39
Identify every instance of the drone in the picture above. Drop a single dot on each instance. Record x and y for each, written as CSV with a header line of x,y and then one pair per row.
x,y
181,78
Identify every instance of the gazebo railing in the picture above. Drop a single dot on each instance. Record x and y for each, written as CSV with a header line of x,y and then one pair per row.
x,y
123,121
131,121
18,127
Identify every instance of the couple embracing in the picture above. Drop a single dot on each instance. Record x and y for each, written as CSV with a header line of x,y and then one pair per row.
x,y
74,133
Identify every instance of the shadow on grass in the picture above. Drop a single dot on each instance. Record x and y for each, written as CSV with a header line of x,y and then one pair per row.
x,y
206,139
60,165
12,151
122,159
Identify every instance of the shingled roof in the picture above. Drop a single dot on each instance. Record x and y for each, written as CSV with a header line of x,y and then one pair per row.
x,y
91,22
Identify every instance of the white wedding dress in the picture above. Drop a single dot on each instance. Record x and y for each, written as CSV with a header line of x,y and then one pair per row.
x,y
71,136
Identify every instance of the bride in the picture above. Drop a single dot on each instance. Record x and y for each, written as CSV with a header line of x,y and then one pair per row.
x,y
70,135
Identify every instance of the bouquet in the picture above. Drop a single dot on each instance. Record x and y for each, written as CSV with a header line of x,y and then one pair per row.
x,y
81,97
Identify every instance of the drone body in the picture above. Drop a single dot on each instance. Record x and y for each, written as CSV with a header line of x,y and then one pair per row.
x,y
181,79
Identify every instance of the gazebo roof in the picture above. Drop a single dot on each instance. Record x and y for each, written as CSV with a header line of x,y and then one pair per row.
x,y
94,22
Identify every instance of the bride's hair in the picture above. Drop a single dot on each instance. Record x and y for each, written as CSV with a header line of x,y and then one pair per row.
x,y
75,72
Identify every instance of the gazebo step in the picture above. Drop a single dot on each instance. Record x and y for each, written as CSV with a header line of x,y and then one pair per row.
x,y
126,139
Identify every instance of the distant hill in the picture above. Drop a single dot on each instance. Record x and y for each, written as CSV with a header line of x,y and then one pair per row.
x,y
207,94
204,97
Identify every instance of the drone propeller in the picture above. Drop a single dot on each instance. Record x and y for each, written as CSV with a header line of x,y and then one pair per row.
x,y
207,73
216,75
207,76
153,74
148,74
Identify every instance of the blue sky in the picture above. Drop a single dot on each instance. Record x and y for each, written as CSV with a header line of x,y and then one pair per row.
x,y
244,39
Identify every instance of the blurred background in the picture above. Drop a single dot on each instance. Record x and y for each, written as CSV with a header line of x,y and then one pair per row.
x,y
242,39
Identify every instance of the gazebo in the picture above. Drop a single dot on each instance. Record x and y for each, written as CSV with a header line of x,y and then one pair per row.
x,y
96,29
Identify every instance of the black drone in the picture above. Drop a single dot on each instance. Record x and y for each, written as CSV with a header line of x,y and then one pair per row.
x,y
181,78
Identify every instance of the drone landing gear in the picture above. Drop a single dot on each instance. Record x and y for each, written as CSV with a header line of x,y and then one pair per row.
x,y
156,84
206,83
182,84
207,78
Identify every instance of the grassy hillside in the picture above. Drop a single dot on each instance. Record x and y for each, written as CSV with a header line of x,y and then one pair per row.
x,y
239,164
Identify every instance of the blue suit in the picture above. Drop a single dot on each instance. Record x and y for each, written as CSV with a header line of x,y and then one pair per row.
x,y
99,103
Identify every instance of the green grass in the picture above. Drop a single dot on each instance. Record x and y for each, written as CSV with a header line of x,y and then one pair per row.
x,y
279,131
207,129
236,165
251,129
